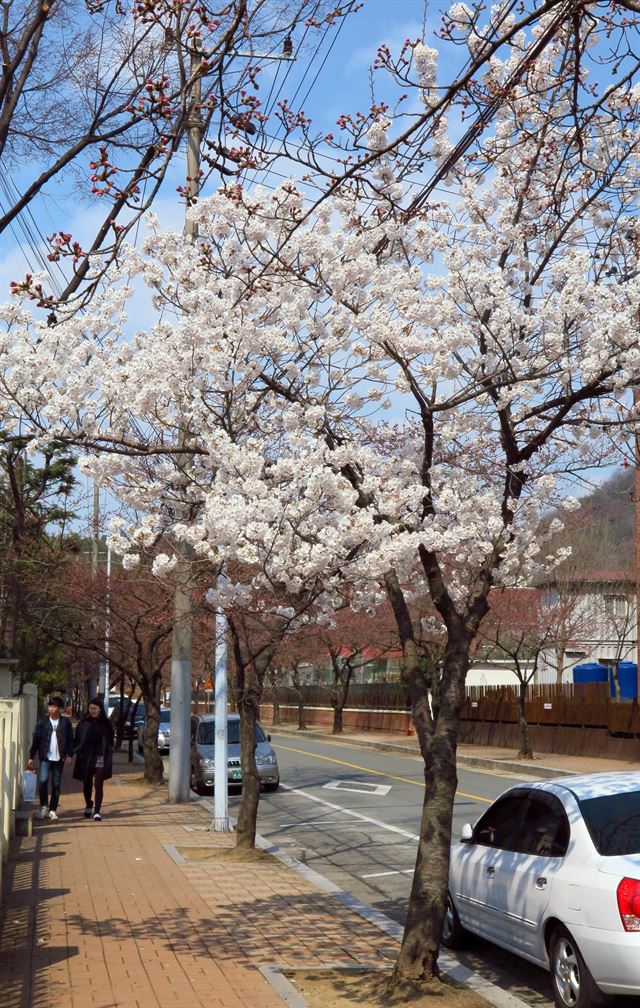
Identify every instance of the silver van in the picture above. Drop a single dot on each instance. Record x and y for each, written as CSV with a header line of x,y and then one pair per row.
x,y
203,727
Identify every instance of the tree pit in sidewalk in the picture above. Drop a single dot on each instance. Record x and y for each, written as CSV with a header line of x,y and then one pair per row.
x,y
237,855
345,987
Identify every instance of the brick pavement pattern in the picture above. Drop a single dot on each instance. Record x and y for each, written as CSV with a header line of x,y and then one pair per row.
x,y
99,915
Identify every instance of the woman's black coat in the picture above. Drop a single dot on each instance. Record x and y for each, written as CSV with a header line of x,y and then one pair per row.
x,y
90,744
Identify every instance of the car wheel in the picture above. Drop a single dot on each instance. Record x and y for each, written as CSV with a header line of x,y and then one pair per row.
x,y
272,787
453,934
573,985
195,786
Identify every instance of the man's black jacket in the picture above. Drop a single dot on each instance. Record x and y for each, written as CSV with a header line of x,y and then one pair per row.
x,y
42,738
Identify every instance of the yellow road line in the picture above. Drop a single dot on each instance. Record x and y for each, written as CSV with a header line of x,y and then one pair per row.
x,y
376,773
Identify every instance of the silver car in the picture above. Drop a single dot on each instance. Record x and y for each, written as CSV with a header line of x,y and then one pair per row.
x,y
203,752
164,731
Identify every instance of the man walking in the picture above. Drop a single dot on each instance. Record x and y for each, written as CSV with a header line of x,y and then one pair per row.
x,y
53,742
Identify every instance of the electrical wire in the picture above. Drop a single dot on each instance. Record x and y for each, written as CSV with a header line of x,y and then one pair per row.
x,y
25,223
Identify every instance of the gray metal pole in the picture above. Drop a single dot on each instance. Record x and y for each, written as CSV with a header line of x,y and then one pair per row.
x,y
107,634
181,665
93,682
221,823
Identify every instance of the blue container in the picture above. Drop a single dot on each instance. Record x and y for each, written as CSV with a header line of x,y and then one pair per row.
x,y
628,680
590,672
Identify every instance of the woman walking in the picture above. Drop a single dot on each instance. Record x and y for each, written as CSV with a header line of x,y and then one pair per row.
x,y
94,756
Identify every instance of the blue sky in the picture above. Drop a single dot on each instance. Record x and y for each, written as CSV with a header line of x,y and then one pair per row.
x,y
332,78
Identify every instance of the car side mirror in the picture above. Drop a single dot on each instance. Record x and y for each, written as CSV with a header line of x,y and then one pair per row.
x,y
466,833
268,738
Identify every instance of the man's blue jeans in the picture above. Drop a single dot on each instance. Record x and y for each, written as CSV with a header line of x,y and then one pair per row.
x,y
50,770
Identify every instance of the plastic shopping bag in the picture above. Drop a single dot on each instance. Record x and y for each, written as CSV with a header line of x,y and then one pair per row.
x,y
29,785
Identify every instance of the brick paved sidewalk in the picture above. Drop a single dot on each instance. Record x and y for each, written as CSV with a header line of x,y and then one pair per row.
x,y
100,915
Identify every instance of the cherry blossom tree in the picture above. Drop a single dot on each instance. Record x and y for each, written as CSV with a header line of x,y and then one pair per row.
x,y
380,389
102,95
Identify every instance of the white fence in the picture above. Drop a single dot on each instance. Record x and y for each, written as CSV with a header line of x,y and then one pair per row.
x,y
17,721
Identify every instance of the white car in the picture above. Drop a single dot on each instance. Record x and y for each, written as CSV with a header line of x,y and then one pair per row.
x,y
552,872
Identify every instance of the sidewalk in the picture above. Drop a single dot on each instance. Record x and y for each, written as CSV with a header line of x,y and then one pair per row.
x,y
116,915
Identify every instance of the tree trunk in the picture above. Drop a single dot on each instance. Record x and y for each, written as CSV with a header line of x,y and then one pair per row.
x,y
559,664
340,691
338,705
295,678
615,679
526,752
417,961
276,706
249,706
150,686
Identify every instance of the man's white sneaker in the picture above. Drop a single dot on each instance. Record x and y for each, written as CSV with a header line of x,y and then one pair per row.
x,y
42,814
53,815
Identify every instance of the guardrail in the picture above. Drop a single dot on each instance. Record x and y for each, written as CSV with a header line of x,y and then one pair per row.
x,y
17,721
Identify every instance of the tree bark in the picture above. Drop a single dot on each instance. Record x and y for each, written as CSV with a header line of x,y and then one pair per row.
x,y
150,686
417,961
276,720
295,678
252,677
251,669
559,664
525,752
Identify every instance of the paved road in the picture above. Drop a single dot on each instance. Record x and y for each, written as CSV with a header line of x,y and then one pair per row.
x,y
353,815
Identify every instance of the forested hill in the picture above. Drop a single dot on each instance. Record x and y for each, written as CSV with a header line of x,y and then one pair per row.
x,y
602,535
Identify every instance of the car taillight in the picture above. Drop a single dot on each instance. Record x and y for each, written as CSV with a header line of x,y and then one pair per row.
x,y
628,894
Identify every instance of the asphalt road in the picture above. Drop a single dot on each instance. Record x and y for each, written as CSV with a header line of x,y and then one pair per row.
x,y
353,815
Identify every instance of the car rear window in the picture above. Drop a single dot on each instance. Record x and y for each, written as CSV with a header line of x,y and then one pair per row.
x,y
613,822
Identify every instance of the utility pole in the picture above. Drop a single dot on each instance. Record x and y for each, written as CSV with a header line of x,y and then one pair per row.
x,y
221,822
92,682
181,664
104,685
636,497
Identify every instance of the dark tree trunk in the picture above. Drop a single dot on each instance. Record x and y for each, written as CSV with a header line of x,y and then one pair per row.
x,y
417,961
436,706
295,678
250,680
150,686
276,706
525,752
340,690
338,706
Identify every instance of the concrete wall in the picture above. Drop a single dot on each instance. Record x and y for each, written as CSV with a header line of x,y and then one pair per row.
x,y
17,721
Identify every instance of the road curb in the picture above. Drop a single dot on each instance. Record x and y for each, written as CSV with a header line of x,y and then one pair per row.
x,y
448,962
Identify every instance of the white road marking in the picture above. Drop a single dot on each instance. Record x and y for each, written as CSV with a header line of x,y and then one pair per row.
x,y
381,874
360,787
354,815
318,822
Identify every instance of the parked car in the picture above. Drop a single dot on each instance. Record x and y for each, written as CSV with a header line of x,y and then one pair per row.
x,y
129,729
203,752
551,872
164,730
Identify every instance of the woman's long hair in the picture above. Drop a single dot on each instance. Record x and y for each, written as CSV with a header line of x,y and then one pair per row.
x,y
101,718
